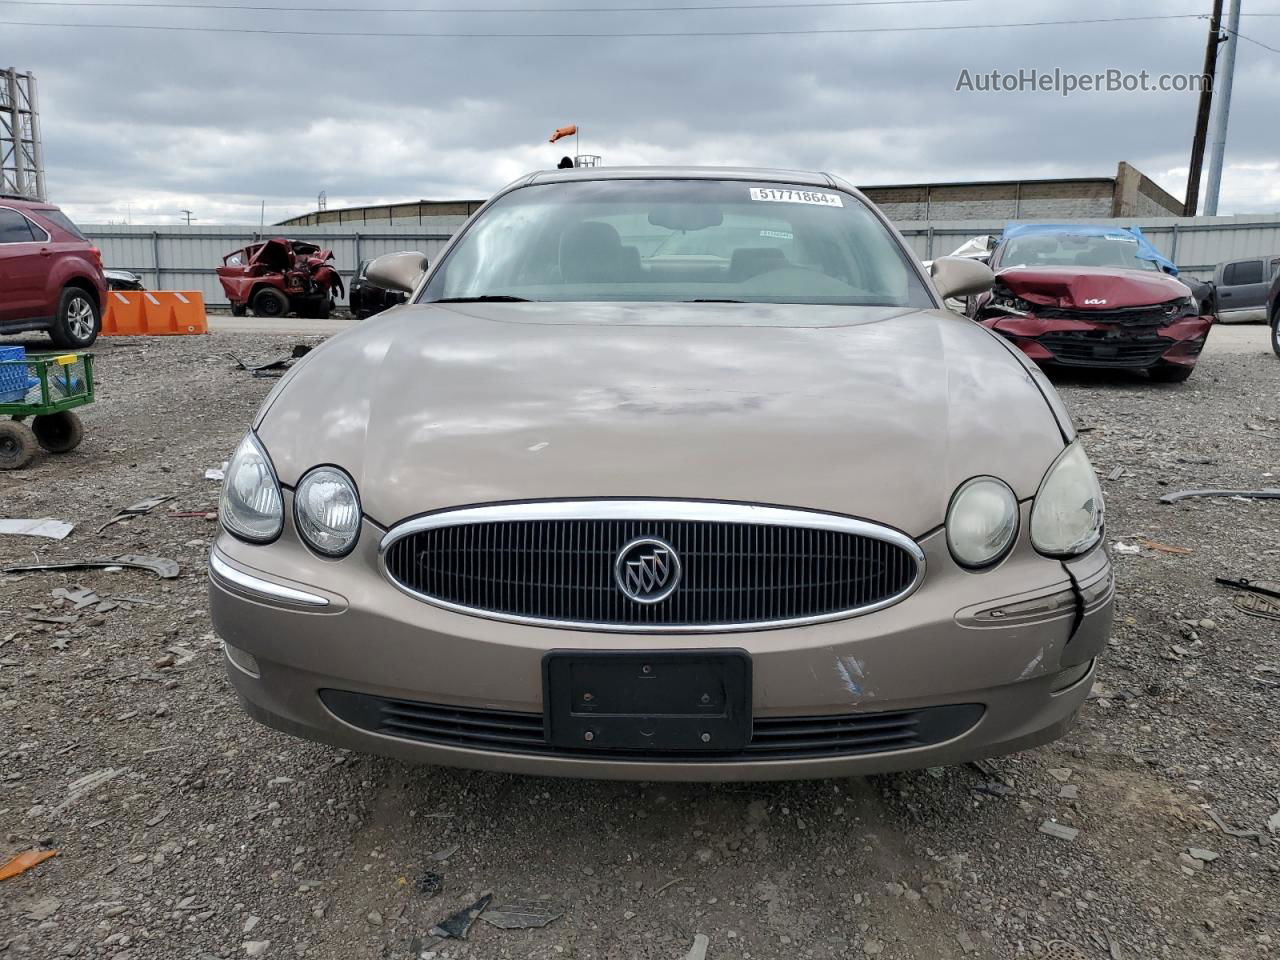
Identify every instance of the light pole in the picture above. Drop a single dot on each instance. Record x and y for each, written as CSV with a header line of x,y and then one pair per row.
x,y
1223,112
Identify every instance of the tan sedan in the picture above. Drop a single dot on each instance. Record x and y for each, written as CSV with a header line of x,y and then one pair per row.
x,y
666,474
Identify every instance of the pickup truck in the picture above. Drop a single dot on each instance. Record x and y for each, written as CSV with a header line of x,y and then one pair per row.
x,y
1242,287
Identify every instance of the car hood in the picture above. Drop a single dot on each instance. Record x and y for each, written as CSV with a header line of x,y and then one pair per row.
x,y
872,412
1090,288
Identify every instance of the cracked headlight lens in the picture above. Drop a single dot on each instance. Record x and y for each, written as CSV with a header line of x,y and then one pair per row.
x,y
326,509
1066,518
982,521
251,507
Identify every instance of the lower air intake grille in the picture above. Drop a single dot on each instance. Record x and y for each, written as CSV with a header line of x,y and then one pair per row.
x,y
1098,350
773,738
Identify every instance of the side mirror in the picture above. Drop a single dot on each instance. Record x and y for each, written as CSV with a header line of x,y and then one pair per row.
x,y
398,271
961,277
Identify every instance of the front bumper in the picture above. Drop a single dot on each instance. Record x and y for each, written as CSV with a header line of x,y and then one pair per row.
x,y
1081,343
1017,642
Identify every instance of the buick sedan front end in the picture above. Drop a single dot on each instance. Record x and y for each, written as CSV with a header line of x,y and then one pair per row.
x,y
666,474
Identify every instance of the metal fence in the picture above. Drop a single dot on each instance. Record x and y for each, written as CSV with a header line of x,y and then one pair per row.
x,y
184,258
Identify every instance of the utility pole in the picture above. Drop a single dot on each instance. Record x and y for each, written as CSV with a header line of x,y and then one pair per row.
x,y
187,214
1223,112
1209,79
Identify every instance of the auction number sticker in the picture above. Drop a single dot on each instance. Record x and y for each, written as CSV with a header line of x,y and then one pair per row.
x,y
779,195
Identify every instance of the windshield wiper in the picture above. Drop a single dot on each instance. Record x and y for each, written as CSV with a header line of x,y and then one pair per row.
x,y
487,298
711,300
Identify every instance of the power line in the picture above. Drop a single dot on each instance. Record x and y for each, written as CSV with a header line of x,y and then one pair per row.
x,y
602,35
1250,39
768,5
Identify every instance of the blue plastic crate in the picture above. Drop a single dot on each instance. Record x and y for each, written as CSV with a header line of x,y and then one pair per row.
x,y
15,378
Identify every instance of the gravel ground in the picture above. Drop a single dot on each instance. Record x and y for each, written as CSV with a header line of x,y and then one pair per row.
x,y
184,830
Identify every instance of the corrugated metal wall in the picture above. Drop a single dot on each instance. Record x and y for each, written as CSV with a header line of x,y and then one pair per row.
x,y
183,258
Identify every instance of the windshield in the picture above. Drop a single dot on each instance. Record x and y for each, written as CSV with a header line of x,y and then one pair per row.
x,y
1066,250
679,240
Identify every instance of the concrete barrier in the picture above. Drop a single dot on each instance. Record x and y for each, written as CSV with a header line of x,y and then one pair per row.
x,y
154,313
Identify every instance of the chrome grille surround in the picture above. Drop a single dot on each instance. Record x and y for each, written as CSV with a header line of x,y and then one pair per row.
x,y
654,511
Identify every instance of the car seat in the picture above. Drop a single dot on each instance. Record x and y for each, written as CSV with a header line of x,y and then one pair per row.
x,y
592,252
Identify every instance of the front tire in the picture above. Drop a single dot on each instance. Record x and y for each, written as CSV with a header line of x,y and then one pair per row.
x,y
78,320
1171,372
270,304
17,445
1275,333
58,432
239,309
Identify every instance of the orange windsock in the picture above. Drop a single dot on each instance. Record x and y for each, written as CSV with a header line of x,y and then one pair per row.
x,y
562,132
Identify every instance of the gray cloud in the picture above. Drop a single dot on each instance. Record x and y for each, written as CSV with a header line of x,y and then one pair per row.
x,y
220,122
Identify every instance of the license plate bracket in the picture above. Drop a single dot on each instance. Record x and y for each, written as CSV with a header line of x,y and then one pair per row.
x,y
672,701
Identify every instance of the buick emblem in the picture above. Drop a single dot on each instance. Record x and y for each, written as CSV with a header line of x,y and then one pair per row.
x,y
647,570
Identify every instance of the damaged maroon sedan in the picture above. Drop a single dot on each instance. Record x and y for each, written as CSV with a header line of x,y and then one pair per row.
x,y
1090,296
276,277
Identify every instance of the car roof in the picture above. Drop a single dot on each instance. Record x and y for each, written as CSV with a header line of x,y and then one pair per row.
x,y
802,177
30,203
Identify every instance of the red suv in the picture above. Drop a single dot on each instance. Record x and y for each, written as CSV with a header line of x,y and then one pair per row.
x,y
50,275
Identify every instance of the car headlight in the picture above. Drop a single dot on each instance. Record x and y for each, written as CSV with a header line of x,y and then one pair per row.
x,y
251,507
326,509
982,521
1066,518
1007,303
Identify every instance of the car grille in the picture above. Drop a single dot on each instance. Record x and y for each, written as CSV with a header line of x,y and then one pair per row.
x,y
772,738
735,575
1153,316
1099,350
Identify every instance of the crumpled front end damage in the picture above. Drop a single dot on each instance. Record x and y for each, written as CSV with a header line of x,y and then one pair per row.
x,y
1101,322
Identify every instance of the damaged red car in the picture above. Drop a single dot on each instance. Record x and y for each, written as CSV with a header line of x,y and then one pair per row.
x,y
276,277
1091,296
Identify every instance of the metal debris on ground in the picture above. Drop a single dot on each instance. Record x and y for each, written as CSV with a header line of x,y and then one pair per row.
x,y
274,367
441,855
523,914
429,884
1059,830
137,510
1125,548
216,473
24,861
699,949
1257,605
1116,473
1266,493
457,925
43,527
160,566
1231,831
1270,588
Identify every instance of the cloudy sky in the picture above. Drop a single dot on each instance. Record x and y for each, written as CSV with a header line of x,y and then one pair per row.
x,y
143,123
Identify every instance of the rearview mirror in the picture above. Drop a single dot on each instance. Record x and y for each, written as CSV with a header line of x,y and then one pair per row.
x,y
398,271
961,277
686,217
